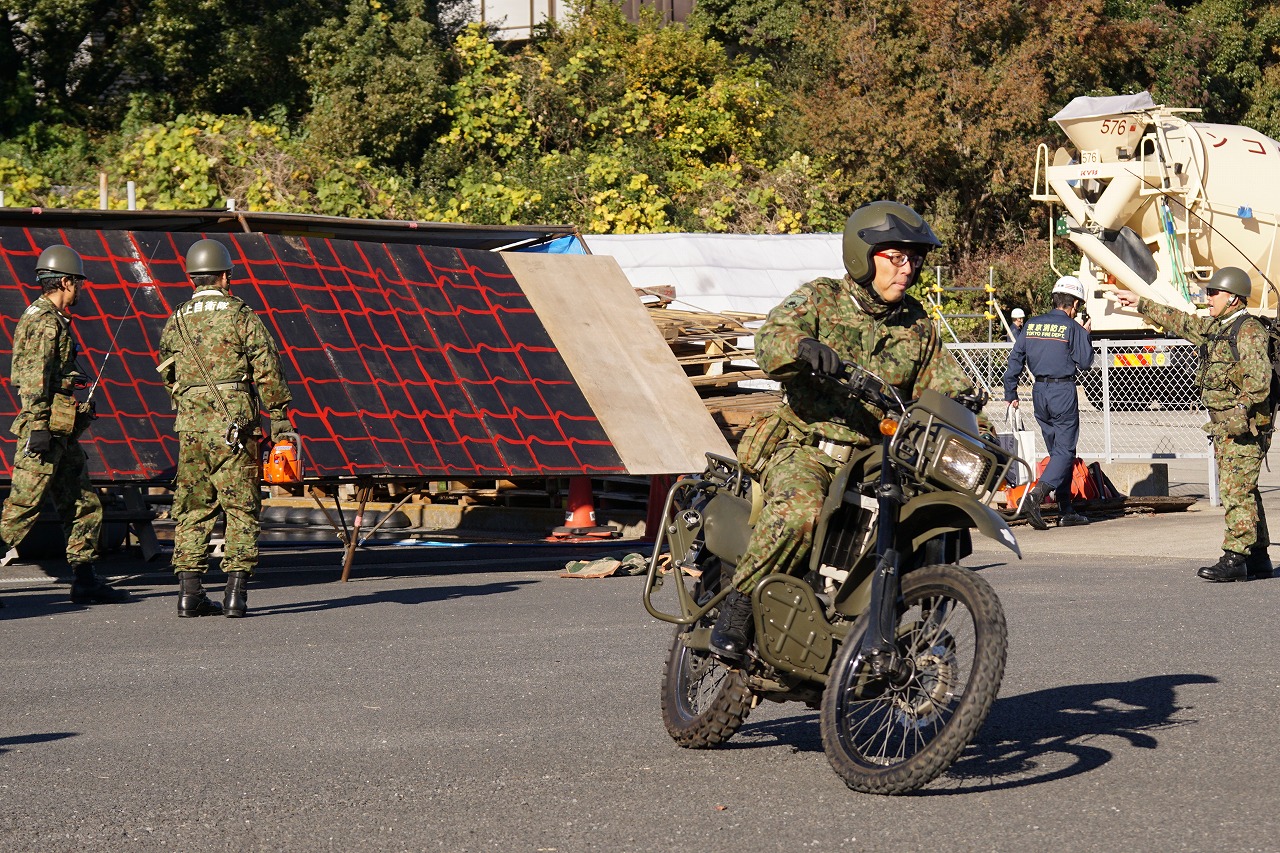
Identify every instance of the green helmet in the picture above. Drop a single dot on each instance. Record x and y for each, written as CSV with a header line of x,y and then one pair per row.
x,y
876,224
1231,280
57,261
208,257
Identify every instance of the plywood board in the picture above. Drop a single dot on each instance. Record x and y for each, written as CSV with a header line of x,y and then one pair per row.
x,y
649,409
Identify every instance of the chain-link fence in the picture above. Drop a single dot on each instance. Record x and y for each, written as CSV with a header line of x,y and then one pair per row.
x,y
1137,401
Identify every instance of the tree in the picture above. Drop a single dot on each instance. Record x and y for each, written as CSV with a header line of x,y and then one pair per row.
x,y
376,78
84,60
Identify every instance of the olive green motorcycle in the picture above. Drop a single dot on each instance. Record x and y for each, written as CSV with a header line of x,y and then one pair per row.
x,y
899,648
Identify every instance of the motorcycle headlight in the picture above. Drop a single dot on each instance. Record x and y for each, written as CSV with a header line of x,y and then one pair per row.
x,y
960,465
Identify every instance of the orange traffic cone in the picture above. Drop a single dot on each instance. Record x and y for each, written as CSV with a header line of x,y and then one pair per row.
x,y
580,517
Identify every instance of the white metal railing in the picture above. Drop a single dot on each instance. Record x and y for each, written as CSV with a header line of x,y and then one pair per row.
x,y
1137,402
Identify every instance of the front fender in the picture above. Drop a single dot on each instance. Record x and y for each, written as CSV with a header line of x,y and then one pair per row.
x,y
925,516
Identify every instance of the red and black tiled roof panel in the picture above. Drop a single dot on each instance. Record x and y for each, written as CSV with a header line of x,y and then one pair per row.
x,y
405,361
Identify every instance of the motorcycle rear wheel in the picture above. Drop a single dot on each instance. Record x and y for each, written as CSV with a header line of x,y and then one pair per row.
x,y
886,736
703,701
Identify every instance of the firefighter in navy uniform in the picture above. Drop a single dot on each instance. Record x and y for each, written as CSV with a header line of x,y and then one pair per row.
x,y
1054,346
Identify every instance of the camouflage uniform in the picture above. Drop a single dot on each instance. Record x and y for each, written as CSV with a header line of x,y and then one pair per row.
x,y
896,341
1236,395
44,364
230,347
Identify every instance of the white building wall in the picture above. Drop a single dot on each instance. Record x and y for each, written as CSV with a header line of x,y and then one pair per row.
x,y
723,272
515,19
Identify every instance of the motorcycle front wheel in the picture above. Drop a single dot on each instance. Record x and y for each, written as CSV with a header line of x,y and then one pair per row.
x,y
703,701
894,734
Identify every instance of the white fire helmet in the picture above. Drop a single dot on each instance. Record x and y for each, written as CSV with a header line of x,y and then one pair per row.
x,y
1071,285
1018,314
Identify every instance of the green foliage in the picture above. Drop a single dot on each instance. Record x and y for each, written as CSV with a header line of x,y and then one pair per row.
x,y
756,25
85,59
199,161
484,106
22,186
661,123
752,117
376,82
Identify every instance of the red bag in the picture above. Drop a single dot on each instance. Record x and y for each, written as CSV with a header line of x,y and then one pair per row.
x,y
1084,487
1088,483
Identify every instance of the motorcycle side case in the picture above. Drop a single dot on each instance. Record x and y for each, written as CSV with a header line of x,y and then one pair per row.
x,y
726,527
794,634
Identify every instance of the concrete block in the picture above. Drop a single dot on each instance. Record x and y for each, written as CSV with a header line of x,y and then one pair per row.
x,y
1139,479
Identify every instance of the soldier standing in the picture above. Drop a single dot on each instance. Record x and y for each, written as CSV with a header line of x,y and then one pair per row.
x,y
221,367
48,459
1054,346
866,318
1235,384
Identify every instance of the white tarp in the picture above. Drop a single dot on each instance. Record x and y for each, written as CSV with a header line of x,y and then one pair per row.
x,y
723,272
1107,105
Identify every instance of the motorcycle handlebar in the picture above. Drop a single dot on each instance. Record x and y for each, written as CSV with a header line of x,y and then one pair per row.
x,y
869,387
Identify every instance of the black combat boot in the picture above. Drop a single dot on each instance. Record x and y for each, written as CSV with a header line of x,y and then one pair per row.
x,y
1230,567
192,600
1258,563
235,598
88,588
1031,509
733,629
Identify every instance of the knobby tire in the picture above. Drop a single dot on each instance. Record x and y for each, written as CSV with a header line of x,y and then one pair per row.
x,y
884,738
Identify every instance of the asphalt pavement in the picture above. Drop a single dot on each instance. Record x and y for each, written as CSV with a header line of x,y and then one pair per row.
x,y
466,698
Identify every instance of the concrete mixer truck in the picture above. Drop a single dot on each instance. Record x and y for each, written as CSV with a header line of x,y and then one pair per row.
x,y
1155,202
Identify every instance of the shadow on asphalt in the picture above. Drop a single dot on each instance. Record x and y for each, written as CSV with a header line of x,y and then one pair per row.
x,y
46,601
1029,739
1057,733
20,740
389,596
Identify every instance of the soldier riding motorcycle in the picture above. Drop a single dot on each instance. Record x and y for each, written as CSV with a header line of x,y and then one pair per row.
x,y
900,648
818,463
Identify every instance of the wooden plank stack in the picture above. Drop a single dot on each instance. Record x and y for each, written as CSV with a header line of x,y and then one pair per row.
x,y
715,351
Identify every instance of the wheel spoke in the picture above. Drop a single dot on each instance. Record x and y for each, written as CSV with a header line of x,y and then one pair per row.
x,y
904,719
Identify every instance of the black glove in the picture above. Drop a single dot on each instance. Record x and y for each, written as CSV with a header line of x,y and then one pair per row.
x,y
38,441
820,357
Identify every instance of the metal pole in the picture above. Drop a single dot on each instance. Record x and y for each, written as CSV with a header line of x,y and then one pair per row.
x,y
1214,497
1106,402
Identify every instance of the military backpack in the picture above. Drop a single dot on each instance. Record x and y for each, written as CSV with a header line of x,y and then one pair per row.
x,y
1232,334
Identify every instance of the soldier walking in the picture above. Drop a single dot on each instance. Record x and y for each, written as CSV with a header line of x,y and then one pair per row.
x,y
48,459
221,367
1235,385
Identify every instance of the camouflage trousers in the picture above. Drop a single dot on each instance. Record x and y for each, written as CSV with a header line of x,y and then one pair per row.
x,y
795,486
61,474
1239,460
213,477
